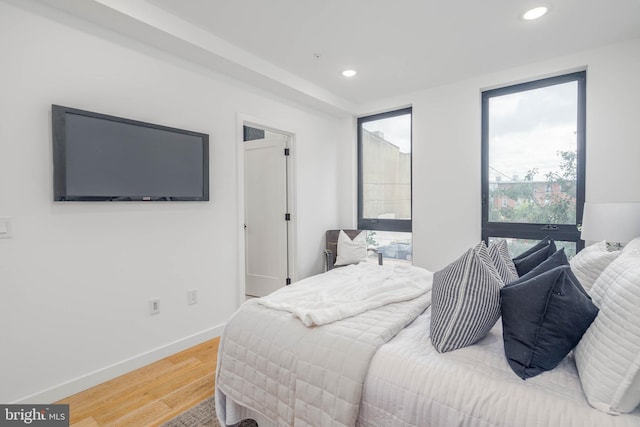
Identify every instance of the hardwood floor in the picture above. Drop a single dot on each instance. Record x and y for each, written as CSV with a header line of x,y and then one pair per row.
x,y
151,395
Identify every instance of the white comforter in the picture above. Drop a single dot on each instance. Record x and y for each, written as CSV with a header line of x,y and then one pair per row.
x,y
273,368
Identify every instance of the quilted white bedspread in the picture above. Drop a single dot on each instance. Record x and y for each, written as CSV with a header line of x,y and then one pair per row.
x,y
289,374
410,384
370,370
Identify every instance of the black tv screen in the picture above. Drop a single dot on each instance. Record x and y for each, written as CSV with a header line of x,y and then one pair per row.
x,y
97,157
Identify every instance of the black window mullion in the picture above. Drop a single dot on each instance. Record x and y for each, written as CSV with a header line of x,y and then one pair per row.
x,y
567,233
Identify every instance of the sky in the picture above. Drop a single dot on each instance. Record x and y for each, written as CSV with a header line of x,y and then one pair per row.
x,y
527,129
397,130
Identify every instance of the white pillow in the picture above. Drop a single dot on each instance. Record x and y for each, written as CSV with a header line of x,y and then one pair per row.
x,y
608,355
590,262
351,251
632,245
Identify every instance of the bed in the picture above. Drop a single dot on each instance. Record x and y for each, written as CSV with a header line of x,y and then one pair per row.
x,y
373,363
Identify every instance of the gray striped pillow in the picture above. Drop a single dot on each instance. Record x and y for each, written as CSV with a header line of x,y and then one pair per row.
x,y
465,301
499,253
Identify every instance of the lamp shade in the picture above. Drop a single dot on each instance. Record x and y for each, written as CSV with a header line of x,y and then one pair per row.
x,y
613,222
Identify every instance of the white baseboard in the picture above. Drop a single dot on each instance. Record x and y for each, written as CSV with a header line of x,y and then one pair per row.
x,y
91,379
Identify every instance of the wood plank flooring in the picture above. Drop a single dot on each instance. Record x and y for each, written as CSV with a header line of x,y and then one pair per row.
x,y
151,395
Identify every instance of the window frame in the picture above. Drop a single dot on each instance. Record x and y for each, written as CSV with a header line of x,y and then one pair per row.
x,y
382,224
560,232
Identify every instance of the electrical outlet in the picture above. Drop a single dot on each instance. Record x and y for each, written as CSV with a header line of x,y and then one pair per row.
x,y
192,296
154,306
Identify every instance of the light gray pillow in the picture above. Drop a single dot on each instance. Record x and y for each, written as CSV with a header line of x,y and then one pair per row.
x,y
465,300
589,263
632,245
351,251
608,355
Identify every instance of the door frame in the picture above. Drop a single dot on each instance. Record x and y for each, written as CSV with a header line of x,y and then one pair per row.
x,y
247,120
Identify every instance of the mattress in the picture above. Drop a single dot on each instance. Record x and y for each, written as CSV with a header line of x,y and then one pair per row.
x,y
410,384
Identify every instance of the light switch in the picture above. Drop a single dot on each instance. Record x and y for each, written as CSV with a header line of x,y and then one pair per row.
x,y
5,227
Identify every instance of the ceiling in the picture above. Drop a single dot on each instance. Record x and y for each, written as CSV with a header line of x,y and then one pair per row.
x,y
298,48
399,46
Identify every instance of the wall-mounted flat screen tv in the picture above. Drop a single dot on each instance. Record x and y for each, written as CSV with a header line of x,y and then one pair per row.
x,y
97,157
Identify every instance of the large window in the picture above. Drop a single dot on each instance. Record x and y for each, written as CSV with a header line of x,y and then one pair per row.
x,y
533,157
384,182
384,172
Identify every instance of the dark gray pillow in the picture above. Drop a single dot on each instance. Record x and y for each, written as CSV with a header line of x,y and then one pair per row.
x,y
557,259
465,301
534,256
543,319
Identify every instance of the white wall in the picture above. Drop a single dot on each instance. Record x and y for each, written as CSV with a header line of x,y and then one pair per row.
x,y
76,278
446,145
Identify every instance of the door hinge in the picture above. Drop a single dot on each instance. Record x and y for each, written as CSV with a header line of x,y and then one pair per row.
x,y
286,151
288,280
287,217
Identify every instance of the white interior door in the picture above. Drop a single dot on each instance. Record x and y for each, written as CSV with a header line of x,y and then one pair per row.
x,y
266,229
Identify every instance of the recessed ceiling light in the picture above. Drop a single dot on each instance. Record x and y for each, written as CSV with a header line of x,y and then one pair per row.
x,y
349,73
534,13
